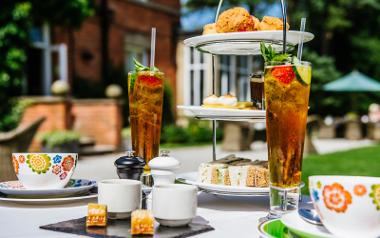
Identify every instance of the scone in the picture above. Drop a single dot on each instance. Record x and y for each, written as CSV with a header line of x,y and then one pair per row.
x,y
256,23
235,20
272,23
209,29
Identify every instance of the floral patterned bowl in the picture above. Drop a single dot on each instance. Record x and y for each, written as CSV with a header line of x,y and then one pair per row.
x,y
44,170
349,206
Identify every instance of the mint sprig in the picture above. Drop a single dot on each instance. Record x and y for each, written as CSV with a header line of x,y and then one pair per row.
x,y
138,68
270,55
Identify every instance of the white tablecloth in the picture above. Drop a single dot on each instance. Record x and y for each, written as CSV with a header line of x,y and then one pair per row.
x,y
230,216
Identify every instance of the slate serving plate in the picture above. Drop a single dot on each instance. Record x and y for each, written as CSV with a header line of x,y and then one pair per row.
x,y
121,229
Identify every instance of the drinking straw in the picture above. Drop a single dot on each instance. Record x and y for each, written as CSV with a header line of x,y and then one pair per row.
x,y
301,39
218,10
152,48
283,8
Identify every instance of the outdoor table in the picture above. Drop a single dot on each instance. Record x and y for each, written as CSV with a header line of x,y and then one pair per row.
x,y
230,216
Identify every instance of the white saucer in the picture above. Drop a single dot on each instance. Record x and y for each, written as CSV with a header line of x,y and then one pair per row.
x,y
300,227
74,187
48,201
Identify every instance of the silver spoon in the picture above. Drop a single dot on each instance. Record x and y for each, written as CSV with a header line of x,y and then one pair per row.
x,y
310,215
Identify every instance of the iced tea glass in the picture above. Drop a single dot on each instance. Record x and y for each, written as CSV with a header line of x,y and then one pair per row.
x,y
146,89
287,88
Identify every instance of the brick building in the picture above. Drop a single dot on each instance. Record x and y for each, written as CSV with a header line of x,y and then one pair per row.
x,y
100,53
109,40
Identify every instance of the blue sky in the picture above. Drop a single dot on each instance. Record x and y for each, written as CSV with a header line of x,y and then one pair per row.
x,y
191,21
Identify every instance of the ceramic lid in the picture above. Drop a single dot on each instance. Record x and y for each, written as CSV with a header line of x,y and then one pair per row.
x,y
130,161
164,162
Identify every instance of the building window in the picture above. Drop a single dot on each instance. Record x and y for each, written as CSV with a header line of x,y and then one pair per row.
x,y
197,81
136,47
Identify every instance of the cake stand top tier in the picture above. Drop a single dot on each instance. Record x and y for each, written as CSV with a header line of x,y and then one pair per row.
x,y
244,43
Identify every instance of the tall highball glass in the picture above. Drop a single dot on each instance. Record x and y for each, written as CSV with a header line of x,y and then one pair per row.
x,y
287,88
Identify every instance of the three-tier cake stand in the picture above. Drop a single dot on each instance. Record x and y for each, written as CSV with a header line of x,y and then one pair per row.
x,y
239,44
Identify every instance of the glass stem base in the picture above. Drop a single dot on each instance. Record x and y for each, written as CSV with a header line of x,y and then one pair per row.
x,y
283,200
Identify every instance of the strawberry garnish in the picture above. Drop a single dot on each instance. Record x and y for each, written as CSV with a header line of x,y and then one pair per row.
x,y
150,80
284,74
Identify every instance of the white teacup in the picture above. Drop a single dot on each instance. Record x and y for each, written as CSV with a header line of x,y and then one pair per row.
x,y
122,196
174,204
349,206
44,170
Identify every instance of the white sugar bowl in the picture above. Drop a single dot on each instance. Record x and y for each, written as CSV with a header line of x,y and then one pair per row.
x,y
164,162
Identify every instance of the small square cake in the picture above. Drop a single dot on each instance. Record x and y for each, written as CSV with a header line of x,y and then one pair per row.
x,y
96,215
142,223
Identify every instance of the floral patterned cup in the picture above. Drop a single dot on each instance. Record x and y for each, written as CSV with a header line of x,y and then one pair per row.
x,y
44,170
349,206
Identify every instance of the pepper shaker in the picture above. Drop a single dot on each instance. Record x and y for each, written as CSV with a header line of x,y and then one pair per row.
x,y
130,166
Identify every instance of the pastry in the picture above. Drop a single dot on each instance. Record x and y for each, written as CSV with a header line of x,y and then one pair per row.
x,y
142,222
235,20
235,171
209,29
96,215
211,100
227,101
271,23
256,23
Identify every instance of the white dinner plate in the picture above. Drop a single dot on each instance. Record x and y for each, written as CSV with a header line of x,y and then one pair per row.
x,y
302,228
202,112
244,43
75,186
191,178
47,201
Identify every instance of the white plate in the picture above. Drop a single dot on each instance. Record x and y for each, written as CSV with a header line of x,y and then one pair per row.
x,y
75,186
191,178
244,43
48,201
198,111
298,226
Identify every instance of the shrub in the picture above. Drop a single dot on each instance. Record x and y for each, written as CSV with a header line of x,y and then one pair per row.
x,y
11,119
174,134
126,133
58,138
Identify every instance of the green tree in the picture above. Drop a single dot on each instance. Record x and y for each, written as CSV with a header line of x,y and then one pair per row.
x,y
13,41
17,17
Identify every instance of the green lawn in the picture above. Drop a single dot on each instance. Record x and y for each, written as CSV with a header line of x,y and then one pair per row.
x,y
363,161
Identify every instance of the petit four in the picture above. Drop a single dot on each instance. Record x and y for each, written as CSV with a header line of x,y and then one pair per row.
x,y
142,222
96,215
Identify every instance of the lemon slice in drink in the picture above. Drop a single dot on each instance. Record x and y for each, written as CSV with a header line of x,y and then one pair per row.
x,y
303,74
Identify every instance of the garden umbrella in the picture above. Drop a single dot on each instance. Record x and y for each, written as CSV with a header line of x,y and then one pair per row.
x,y
353,82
